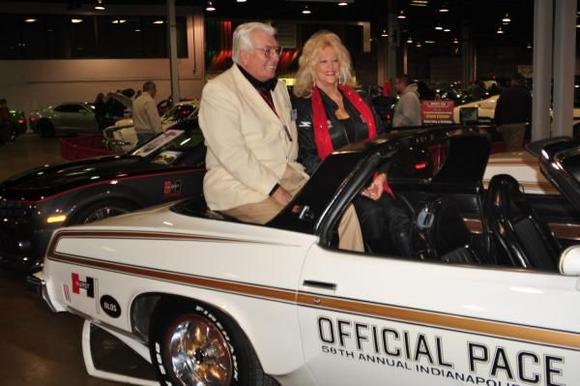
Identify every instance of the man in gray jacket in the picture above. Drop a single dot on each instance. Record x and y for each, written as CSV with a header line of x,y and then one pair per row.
x,y
408,109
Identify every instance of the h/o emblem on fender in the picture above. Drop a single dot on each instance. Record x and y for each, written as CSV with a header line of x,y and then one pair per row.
x,y
88,285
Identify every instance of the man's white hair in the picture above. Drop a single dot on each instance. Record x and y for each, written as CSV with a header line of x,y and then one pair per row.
x,y
243,37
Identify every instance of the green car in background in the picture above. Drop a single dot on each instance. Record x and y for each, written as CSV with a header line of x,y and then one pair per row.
x,y
65,118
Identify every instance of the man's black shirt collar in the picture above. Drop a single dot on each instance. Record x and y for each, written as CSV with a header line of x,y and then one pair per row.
x,y
268,85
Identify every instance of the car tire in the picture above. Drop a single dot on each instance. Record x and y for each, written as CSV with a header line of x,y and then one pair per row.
x,y
45,128
100,210
205,346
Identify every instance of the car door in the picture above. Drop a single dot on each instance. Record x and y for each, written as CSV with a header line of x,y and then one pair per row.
x,y
74,118
60,118
83,121
368,320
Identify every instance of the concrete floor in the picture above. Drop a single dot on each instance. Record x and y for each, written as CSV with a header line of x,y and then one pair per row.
x,y
37,347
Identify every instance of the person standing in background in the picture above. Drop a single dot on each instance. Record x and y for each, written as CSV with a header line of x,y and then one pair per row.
x,y
100,111
5,123
145,115
513,112
408,109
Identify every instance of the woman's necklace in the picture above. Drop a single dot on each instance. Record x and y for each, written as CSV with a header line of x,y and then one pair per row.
x,y
340,112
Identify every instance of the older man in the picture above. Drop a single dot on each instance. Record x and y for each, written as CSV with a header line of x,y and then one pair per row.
x,y
145,115
245,116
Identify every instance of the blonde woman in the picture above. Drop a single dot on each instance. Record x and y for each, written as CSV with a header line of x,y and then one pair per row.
x,y
332,114
327,100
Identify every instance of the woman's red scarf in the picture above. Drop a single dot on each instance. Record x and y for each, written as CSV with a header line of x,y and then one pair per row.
x,y
320,119
320,123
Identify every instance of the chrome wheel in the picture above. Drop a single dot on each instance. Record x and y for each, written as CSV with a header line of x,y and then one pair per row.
x,y
103,212
199,354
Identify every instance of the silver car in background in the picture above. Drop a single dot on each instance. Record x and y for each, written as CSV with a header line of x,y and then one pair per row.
x,y
65,118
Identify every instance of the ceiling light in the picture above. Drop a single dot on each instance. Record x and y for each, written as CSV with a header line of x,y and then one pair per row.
x,y
506,19
409,40
419,3
418,45
429,41
499,31
444,8
401,15
438,27
306,10
99,6
76,21
342,4
120,21
137,30
240,1
455,41
529,46
158,22
209,7
384,34
446,29
30,20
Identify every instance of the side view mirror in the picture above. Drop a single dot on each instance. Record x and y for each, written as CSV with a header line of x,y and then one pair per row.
x,y
570,261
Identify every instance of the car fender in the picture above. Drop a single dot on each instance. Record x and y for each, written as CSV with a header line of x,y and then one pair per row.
x,y
83,198
276,339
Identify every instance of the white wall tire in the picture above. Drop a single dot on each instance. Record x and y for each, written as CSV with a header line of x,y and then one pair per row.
x,y
192,345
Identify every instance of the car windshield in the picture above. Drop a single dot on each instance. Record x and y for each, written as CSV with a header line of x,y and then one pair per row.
x,y
170,145
180,112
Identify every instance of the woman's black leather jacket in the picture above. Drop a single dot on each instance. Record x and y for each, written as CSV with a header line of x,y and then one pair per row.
x,y
308,154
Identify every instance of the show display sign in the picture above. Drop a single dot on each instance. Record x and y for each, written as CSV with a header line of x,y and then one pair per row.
x,y
437,111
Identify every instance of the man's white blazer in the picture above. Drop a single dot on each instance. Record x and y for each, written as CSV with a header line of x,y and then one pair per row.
x,y
249,145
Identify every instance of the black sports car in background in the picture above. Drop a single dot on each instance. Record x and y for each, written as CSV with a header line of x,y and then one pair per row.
x,y
32,205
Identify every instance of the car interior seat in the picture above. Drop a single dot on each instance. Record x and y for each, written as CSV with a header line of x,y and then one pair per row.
x,y
442,227
524,238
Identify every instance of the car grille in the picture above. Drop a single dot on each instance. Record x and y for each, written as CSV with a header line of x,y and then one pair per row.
x,y
14,210
16,229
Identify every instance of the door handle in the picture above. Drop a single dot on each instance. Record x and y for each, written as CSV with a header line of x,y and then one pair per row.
x,y
320,284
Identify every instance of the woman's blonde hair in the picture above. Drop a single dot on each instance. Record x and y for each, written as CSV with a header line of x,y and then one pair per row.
x,y
307,62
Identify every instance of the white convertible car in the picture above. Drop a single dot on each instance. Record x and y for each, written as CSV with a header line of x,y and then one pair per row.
x,y
486,112
492,300
121,137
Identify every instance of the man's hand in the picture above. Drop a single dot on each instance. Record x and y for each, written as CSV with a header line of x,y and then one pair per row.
x,y
375,190
281,196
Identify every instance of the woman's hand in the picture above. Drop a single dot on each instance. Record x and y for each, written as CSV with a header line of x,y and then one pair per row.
x,y
375,190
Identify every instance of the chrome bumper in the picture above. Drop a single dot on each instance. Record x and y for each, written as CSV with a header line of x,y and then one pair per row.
x,y
36,283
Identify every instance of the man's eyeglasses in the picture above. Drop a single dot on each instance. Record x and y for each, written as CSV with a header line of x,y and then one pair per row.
x,y
270,51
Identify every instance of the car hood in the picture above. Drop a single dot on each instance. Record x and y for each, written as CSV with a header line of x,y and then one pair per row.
x,y
48,180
